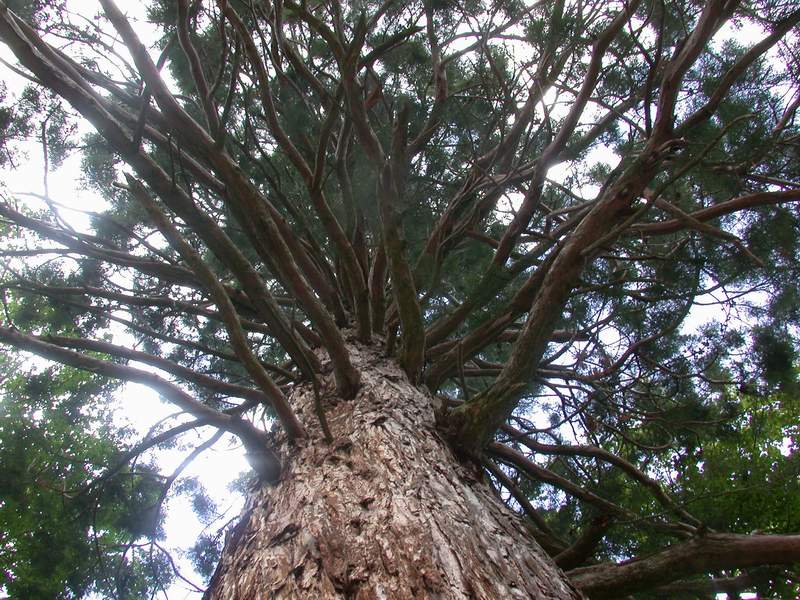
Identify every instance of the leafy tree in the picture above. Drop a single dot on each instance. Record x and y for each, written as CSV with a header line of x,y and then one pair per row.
x,y
57,526
432,263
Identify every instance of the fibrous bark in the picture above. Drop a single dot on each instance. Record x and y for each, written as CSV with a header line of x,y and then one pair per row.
x,y
386,511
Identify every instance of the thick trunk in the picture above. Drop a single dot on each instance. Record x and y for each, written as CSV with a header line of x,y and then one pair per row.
x,y
386,511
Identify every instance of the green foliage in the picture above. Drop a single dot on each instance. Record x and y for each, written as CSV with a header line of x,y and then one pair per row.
x,y
749,477
62,538
35,115
205,554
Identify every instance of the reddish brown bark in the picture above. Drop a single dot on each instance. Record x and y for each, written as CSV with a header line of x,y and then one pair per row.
x,y
712,552
386,511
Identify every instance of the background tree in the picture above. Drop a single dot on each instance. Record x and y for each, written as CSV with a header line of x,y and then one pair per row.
x,y
450,251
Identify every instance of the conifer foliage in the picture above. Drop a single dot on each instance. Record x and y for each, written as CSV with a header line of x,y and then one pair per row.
x,y
528,207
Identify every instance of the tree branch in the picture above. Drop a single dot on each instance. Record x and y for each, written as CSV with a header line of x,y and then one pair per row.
x,y
254,440
711,552
233,325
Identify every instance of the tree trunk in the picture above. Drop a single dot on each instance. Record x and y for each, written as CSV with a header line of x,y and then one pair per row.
x,y
386,511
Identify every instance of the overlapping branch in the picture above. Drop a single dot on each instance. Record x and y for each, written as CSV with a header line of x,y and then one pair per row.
x,y
254,440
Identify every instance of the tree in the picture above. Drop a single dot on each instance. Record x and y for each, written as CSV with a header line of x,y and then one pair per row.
x,y
452,252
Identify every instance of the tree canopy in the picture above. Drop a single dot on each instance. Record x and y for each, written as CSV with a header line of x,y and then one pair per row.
x,y
574,223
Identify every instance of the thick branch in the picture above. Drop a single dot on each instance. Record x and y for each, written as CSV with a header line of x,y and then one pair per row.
x,y
737,70
222,387
718,210
391,186
586,544
239,341
712,552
